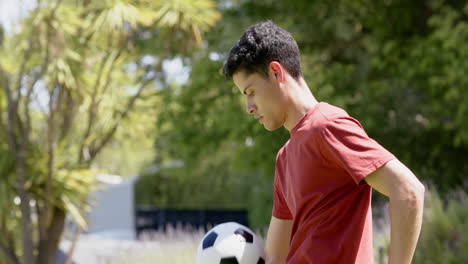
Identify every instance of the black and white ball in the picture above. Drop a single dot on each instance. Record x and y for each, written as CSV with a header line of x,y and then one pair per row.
x,y
230,243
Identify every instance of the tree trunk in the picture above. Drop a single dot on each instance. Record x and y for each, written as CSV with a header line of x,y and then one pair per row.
x,y
9,255
74,242
26,224
48,245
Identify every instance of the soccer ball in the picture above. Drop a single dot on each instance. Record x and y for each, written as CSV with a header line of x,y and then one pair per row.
x,y
230,243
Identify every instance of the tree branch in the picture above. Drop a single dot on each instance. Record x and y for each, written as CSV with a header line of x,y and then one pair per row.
x,y
10,113
74,242
18,147
41,74
109,72
124,114
17,86
45,213
55,93
57,5
92,109
94,102
26,222
27,101
68,116
41,221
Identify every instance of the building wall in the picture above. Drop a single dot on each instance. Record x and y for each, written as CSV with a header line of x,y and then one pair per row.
x,y
112,211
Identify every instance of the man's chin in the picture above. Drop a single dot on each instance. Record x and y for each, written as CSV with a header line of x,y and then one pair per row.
x,y
271,127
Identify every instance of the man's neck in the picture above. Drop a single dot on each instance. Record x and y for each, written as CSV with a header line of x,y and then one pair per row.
x,y
301,101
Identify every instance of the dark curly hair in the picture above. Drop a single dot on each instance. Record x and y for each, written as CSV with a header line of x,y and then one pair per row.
x,y
261,44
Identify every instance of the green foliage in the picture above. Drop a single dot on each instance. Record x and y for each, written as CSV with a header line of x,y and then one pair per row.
x,y
444,235
422,90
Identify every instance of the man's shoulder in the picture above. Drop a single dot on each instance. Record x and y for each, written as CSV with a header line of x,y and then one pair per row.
x,y
332,119
322,116
327,112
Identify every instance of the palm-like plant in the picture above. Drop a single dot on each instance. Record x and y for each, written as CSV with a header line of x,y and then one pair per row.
x,y
66,92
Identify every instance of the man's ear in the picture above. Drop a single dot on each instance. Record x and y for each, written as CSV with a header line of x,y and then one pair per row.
x,y
277,69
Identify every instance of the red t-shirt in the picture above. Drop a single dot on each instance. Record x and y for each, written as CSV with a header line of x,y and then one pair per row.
x,y
319,185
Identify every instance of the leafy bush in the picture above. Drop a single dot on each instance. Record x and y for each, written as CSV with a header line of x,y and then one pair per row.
x,y
444,234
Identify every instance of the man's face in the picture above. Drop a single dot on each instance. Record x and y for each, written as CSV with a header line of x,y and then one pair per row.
x,y
264,98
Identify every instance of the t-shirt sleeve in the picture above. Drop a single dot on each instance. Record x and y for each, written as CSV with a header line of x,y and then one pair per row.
x,y
345,143
280,208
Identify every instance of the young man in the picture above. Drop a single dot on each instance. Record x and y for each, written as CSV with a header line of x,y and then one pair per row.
x,y
324,173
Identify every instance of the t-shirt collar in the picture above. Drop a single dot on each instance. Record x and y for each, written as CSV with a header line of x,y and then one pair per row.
x,y
303,119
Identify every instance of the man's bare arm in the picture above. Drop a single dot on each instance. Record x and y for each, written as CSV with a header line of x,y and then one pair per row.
x,y
277,242
406,195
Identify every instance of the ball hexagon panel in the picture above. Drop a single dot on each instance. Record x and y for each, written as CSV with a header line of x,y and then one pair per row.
x,y
209,240
229,260
245,234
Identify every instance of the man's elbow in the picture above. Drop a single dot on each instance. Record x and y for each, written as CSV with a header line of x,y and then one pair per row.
x,y
421,190
419,198
418,191
413,195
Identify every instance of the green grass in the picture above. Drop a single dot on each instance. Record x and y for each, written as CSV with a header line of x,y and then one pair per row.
x,y
176,246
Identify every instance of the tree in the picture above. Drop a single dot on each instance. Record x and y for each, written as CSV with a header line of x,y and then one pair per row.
x,y
69,79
